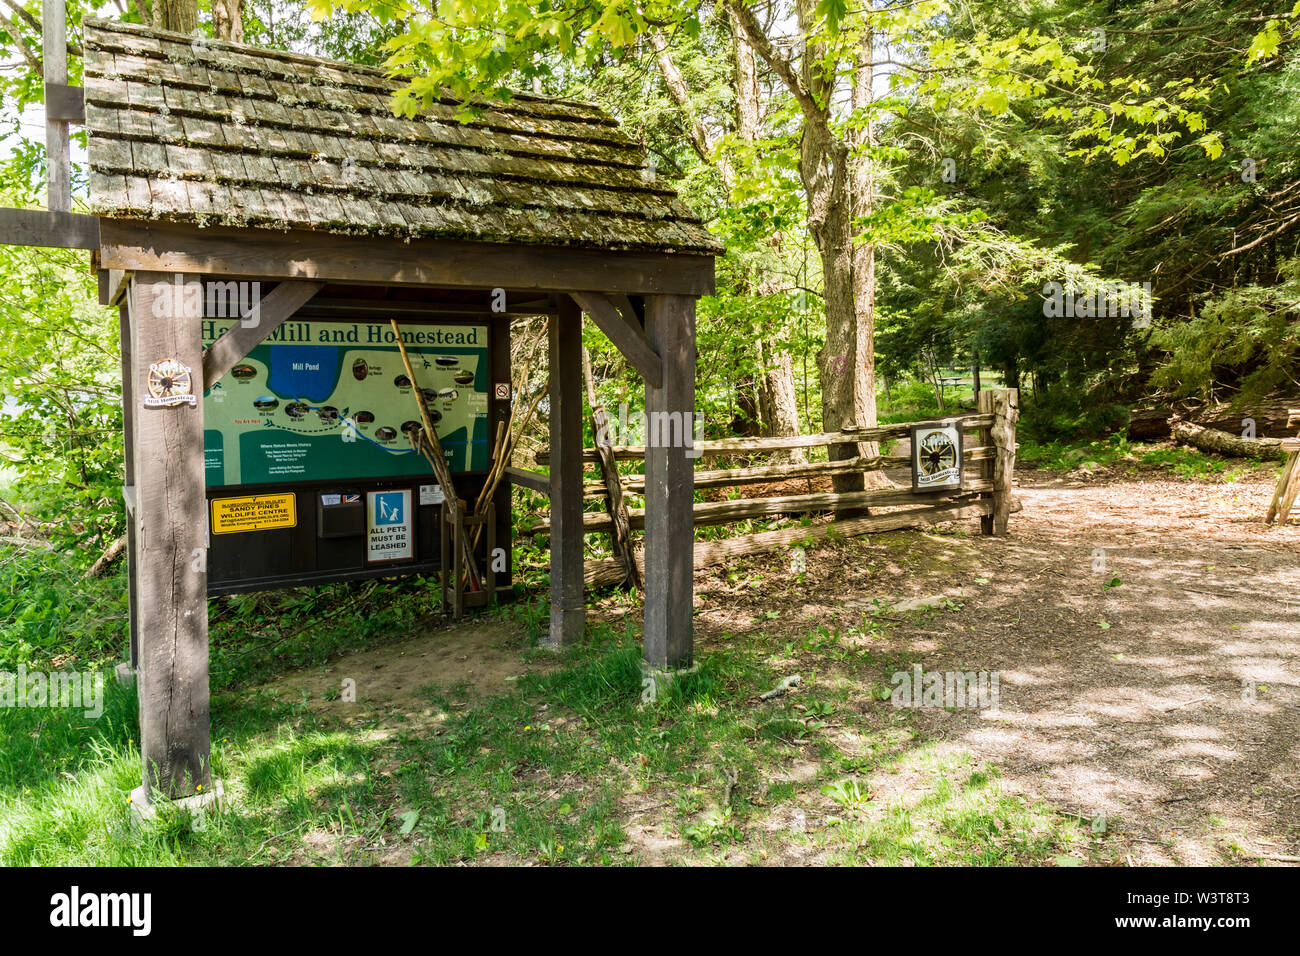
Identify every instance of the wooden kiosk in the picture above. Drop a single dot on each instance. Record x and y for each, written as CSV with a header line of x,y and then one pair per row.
x,y
213,162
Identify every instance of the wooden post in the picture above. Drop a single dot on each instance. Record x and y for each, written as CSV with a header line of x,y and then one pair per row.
x,y
1004,405
54,46
669,484
1288,485
128,485
171,541
565,346
1288,488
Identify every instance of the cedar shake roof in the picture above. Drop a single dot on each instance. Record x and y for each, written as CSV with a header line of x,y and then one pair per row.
x,y
216,133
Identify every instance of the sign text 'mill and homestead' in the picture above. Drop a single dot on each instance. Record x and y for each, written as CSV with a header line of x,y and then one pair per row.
x,y
358,333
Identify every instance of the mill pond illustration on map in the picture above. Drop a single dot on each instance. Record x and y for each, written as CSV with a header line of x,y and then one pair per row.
x,y
328,400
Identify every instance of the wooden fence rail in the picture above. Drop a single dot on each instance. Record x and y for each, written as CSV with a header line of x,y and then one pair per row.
x,y
750,446
985,492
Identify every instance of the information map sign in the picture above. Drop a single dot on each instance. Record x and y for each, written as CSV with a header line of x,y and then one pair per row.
x,y
332,400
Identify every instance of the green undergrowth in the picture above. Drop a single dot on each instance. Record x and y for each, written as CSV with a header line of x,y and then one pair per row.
x,y
571,767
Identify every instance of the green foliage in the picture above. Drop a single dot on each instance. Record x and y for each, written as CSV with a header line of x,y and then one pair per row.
x,y
48,612
60,411
1250,335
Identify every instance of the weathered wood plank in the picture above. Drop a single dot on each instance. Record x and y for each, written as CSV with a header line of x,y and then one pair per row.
x,y
729,477
128,485
59,230
629,339
669,586
58,158
754,446
1004,405
532,480
1283,489
64,103
302,254
608,572
171,546
240,339
568,613
741,509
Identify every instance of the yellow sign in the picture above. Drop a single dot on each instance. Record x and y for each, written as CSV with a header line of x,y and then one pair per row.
x,y
254,513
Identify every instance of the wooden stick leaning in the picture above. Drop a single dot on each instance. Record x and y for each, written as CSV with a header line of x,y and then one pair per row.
x,y
505,443
621,533
426,442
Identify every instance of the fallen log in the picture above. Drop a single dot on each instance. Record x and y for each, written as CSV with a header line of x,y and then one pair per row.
x,y
1147,424
110,555
1221,443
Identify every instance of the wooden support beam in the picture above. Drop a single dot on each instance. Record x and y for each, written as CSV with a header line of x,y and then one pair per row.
x,y
58,230
54,50
452,264
627,336
128,486
568,612
669,535
64,103
282,302
170,549
533,480
112,286
628,310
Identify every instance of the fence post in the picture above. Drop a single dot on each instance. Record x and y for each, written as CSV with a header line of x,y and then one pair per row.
x,y
1004,405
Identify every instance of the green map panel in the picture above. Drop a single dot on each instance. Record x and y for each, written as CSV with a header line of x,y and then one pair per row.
x,y
331,401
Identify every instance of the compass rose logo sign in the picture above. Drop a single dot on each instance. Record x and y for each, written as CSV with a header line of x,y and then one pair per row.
x,y
170,383
936,457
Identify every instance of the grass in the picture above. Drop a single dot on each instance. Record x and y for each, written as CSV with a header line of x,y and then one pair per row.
x,y
566,769
1118,454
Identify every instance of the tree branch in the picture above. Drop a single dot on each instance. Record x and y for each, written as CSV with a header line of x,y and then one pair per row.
x,y
744,18
10,28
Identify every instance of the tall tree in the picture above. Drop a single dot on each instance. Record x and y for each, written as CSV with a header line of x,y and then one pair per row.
x,y
227,20
179,15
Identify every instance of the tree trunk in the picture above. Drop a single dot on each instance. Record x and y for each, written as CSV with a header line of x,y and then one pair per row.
x,y
862,201
824,169
227,20
827,170
1011,374
182,16
777,404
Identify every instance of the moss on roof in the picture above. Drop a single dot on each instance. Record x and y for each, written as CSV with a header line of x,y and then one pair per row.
x,y
217,133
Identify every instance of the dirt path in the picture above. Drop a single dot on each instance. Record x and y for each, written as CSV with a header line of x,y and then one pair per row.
x,y
1165,707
